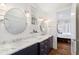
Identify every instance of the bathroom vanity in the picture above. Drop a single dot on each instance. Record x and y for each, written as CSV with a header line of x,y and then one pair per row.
x,y
31,50
35,45
17,38
40,48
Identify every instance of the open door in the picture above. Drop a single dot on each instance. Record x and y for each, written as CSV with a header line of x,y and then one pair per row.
x,y
66,25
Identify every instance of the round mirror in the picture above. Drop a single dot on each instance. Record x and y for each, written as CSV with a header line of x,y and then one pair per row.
x,y
15,21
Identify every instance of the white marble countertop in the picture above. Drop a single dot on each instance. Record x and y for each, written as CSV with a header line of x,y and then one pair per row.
x,y
10,48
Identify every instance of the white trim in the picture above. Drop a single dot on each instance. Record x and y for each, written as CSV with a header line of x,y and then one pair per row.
x,y
73,31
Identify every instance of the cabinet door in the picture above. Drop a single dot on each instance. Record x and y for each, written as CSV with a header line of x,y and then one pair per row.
x,y
45,46
32,50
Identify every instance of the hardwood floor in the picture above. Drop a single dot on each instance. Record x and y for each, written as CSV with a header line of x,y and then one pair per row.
x,y
63,48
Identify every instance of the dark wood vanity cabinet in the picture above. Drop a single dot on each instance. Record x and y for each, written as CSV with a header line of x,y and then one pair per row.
x,y
32,50
41,48
45,46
